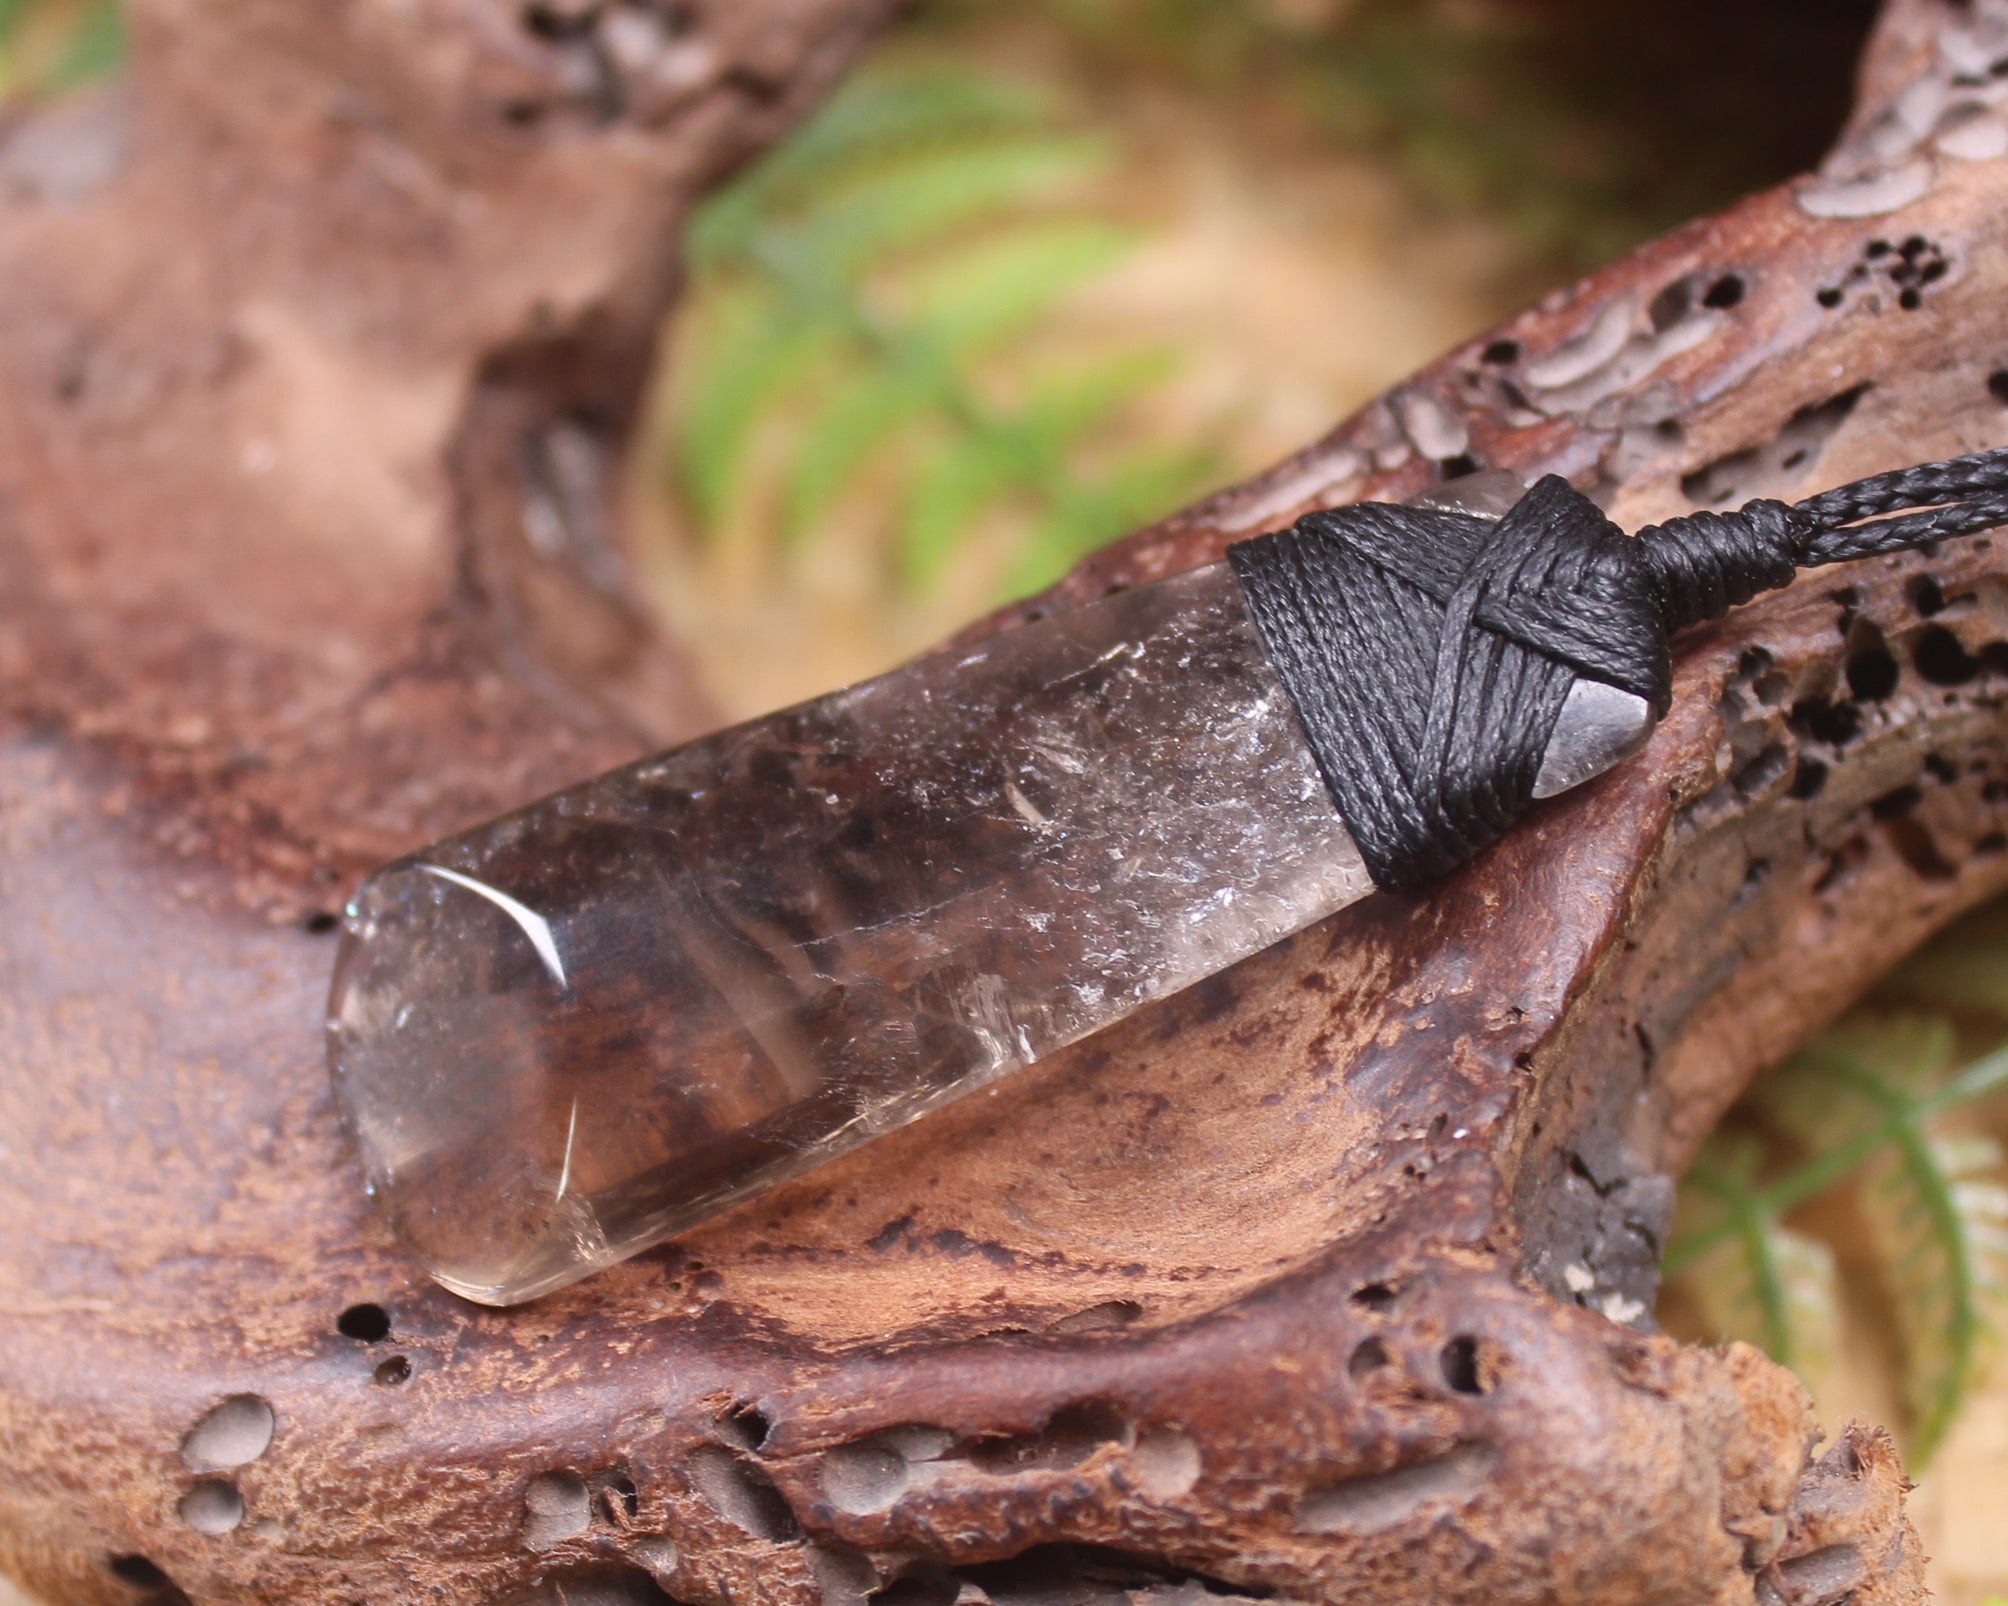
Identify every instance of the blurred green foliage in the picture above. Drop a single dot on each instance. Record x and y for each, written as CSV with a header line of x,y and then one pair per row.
x,y
1862,1159
865,312
47,46
1583,125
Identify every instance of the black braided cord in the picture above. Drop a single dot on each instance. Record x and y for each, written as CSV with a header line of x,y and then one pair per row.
x,y
1429,652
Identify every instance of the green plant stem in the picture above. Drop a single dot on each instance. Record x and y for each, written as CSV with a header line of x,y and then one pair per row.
x,y
1746,1219
1984,1076
1966,1324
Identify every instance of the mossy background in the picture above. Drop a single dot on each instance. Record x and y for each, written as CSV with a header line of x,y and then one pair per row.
x,y
1042,272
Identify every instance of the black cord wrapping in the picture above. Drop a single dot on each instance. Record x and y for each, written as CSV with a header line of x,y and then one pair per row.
x,y
1429,652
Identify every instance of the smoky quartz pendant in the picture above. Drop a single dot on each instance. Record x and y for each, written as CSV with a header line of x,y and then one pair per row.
x,y
568,1034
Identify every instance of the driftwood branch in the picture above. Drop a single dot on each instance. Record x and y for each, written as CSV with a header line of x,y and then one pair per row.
x,y
1328,1280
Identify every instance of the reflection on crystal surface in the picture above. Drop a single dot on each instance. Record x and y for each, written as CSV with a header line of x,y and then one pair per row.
x,y
567,1034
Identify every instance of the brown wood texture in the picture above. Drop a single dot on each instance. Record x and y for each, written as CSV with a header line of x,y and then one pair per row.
x,y
319,342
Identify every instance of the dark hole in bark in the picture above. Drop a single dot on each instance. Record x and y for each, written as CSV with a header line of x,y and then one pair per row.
x,y
1671,304
1918,849
137,1571
1872,674
1828,298
140,1573
366,1324
1927,597
747,1426
1836,724
1500,353
1375,1296
321,922
1725,293
1460,1365
1370,1356
1941,659
1808,780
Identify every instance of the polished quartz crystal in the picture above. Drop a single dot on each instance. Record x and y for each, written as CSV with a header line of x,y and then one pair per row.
x,y
570,1033
574,1031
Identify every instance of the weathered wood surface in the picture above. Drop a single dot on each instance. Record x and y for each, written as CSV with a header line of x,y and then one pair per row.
x,y
317,349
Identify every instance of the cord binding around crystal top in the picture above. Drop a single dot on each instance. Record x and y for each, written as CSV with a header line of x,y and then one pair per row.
x,y
1429,652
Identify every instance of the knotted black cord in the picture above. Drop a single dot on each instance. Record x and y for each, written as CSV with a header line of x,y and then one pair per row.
x,y
1429,652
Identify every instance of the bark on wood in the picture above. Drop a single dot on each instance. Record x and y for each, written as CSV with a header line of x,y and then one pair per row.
x,y
1328,1280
